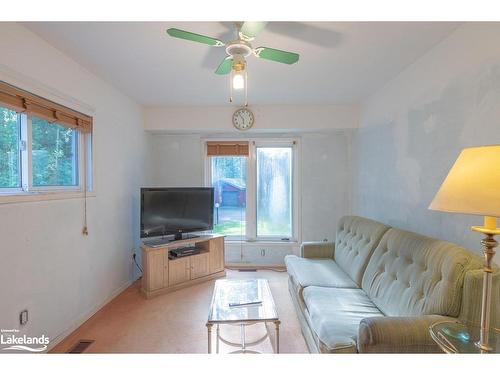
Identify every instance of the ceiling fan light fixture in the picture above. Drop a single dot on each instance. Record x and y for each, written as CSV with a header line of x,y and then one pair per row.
x,y
239,80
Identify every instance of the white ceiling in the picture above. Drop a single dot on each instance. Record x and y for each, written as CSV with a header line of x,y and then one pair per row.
x,y
340,62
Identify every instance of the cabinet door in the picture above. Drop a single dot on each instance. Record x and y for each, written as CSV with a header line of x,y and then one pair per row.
x,y
217,255
155,267
178,271
199,265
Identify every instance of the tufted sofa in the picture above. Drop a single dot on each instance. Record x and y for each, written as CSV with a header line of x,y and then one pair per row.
x,y
378,289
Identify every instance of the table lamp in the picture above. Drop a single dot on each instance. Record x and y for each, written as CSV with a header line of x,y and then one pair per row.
x,y
473,187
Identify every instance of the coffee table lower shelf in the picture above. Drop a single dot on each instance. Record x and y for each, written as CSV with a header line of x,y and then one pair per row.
x,y
244,344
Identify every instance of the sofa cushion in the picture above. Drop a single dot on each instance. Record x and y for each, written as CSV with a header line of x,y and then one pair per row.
x,y
318,272
410,274
355,241
334,315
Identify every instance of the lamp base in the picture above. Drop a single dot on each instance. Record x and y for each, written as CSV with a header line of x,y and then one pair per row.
x,y
489,243
484,348
484,230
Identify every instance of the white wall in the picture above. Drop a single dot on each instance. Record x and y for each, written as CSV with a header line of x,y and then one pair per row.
x,y
268,118
413,129
47,266
325,184
326,177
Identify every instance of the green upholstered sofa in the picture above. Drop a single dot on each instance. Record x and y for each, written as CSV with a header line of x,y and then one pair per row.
x,y
377,289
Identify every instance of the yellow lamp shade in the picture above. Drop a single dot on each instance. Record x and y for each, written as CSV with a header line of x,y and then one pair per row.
x,y
473,183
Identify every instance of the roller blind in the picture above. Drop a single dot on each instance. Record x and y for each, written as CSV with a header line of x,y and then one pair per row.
x,y
227,148
23,101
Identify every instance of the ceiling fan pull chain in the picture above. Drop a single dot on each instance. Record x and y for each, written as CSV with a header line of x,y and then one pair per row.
x,y
231,86
246,88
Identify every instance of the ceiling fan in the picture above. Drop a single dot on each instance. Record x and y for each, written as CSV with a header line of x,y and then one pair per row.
x,y
240,48
237,50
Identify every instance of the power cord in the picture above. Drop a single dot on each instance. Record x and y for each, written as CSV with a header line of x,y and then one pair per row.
x,y
137,264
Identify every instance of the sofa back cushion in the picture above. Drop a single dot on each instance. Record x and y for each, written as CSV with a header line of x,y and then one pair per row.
x,y
355,241
410,274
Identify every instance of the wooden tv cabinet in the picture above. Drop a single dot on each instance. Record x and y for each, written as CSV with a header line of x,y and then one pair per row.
x,y
163,275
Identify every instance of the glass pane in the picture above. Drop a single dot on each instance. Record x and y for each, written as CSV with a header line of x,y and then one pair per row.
x,y
54,157
232,291
10,171
274,191
229,179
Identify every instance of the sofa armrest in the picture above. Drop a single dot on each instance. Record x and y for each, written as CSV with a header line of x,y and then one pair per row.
x,y
398,334
317,249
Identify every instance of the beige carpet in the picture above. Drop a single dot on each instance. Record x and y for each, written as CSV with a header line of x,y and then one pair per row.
x,y
175,322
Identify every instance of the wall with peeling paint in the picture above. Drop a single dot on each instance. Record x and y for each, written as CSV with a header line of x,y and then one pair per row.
x,y
412,130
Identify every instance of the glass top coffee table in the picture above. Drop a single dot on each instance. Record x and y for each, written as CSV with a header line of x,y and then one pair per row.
x,y
242,302
455,337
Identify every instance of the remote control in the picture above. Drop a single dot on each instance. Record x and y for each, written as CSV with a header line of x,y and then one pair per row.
x,y
235,304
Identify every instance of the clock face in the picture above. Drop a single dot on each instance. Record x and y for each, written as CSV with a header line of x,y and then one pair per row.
x,y
243,119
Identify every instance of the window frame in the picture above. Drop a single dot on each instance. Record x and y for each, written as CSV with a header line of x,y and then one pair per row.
x,y
16,190
28,192
79,163
278,144
208,183
251,189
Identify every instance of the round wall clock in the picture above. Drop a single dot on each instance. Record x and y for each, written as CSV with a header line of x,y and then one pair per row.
x,y
243,119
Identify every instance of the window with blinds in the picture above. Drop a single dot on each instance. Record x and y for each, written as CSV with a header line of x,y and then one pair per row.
x,y
228,177
44,146
255,188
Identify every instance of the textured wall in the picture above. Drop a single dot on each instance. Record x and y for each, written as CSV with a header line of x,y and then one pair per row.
x,y
326,176
47,265
413,129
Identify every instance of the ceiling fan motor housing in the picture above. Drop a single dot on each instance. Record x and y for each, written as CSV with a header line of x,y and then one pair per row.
x,y
239,47
239,63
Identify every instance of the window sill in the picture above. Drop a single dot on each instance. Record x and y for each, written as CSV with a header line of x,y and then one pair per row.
x,y
42,196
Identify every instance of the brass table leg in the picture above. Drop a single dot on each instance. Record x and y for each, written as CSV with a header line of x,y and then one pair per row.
x,y
489,243
209,329
277,344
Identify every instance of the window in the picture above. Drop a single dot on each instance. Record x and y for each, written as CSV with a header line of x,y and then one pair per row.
x,y
44,147
229,178
254,189
10,169
53,154
274,191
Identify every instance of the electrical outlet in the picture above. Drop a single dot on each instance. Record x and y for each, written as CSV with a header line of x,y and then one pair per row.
x,y
23,317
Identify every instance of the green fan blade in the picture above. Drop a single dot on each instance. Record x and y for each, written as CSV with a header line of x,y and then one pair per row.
x,y
176,33
276,55
250,30
225,66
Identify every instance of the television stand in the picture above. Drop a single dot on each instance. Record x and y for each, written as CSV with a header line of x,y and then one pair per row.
x,y
162,274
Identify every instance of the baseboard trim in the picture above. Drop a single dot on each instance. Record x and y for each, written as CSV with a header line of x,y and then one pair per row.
x,y
86,316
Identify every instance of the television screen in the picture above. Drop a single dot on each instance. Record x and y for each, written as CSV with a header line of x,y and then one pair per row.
x,y
176,210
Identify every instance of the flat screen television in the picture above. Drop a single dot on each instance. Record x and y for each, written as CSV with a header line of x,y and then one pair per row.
x,y
167,211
